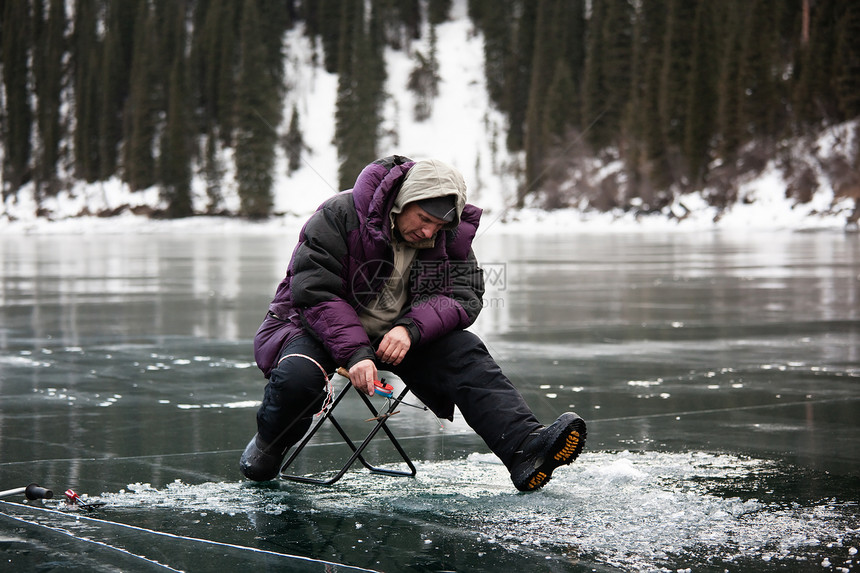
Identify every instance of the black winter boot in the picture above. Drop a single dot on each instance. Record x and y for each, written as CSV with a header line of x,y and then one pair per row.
x,y
545,450
257,464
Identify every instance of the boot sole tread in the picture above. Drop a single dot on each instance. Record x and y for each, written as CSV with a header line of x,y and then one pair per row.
x,y
566,448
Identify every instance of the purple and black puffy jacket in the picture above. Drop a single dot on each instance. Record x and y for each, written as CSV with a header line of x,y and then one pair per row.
x,y
342,261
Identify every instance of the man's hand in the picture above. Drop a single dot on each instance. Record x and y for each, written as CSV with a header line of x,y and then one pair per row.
x,y
362,374
394,346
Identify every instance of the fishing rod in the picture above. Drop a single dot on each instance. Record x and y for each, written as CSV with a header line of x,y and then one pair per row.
x,y
32,492
35,491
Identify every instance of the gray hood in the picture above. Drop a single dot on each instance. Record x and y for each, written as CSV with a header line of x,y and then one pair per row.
x,y
431,178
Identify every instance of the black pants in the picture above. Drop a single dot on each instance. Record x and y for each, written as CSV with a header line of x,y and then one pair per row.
x,y
454,370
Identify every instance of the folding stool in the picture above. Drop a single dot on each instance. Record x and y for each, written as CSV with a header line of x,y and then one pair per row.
x,y
380,418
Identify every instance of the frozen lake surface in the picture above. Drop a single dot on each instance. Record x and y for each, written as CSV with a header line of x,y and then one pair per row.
x,y
719,374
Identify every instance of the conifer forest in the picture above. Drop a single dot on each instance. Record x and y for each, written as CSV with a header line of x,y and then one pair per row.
x,y
685,94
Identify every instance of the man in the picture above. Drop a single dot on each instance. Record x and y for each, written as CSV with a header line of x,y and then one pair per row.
x,y
384,276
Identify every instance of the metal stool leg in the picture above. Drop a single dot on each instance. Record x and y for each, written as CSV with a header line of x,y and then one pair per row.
x,y
381,419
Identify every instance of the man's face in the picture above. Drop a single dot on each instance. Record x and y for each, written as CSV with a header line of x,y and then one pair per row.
x,y
415,224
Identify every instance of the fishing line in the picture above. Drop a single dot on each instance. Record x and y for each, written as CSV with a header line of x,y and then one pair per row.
x,y
116,458
424,436
546,168
305,161
106,522
720,410
180,454
436,419
484,227
68,533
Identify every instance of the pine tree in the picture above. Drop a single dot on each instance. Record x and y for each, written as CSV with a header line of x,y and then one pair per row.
x,y
19,115
347,114
848,74
202,65
175,156
814,94
138,159
606,81
557,118
758,65
308,13
438,11
213,172
593,86
477,9
677,59
258,115
618,52
276,17
498,28
361,80
228,52
642,129
87,91
517,85
632,124
570,26
49,47
330,14
730,127
116,60
294,143
702,94
400,22
509,28
424,80
369,67
553,93
213,66
543,59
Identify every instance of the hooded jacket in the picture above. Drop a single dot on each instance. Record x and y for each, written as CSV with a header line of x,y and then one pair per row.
x,y
344,257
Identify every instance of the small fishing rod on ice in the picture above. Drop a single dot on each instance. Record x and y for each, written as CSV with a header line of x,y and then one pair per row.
x,y
35,491
31,492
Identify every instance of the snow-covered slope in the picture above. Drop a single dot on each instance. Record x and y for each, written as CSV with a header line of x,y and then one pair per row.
x,y
463,130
